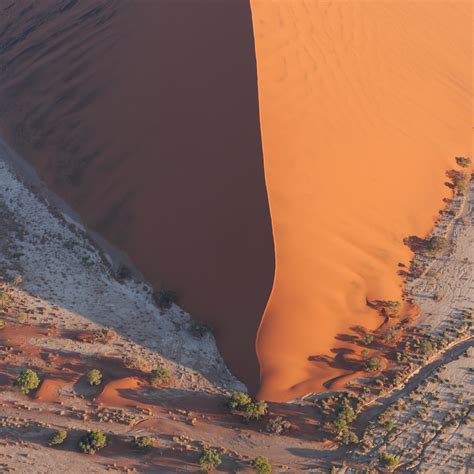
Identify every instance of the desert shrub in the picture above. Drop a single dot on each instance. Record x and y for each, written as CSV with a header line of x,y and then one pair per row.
x,y
373,364
57,438
199,329
143,443
209,459
389,425
461,181
241,403
426,347
389,461
138,362
91,442
262,465
364,353
161,376
256,410
464,162
437,244
17,280
4,298
348,437
165,298
94,377
344,416
28,380
277,425
2,323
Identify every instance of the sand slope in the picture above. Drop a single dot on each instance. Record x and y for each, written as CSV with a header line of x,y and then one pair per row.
x,y
363,106
144,117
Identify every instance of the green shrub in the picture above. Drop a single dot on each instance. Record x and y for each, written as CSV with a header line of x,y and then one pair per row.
x,y
143,443
373,364
344,416
256,410
209,459
57,438
28,380
159,377
389,425
426,347
2,323
389,461
239,401
262,465
92,442
368,339
348,437
94,377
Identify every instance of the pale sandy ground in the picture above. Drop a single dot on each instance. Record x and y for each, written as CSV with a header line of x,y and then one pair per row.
x,y
74,285
68,287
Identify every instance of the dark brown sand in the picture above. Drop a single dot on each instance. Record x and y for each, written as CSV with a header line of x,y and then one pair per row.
x,y
144,117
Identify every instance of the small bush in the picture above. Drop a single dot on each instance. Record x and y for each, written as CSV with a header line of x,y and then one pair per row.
x,y
159,377
209,459
344,416
57,438
143,443
373,364
94,377
239,401
461,181
348,437
165,298
277,425
91,442
28,380
2,323
426,347
262,465
389,425
464,162
199,329
389,461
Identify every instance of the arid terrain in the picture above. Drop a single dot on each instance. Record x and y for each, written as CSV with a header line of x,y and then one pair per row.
x,y
236,236
66,310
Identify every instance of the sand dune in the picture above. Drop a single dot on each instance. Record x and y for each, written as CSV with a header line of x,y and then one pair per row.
x,y
363,106
144,117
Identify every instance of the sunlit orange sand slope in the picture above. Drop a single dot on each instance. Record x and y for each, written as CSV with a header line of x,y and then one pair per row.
x,y
363,106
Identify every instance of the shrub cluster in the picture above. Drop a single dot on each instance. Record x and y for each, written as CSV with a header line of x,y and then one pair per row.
x,y
161,376
57,438
277,425
389,461
143,443
209,459
373,364
242,404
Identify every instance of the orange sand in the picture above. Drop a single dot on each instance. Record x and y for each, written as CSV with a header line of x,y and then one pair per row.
x,y
363,107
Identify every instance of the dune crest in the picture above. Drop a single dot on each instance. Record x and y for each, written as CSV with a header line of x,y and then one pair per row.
x,y
363,107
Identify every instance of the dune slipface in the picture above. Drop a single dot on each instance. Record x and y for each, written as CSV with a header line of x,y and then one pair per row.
x,y
144,117
363,106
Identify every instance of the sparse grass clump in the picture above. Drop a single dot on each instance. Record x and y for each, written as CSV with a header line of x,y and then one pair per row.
x,y
2,323
92,442
242,404
94,377
143,443
57,438
161,376
28,380
389,461
373,364
209,459
262,465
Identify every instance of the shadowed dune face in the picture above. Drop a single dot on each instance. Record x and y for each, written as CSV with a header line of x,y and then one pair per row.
x,y
363,107
144,117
